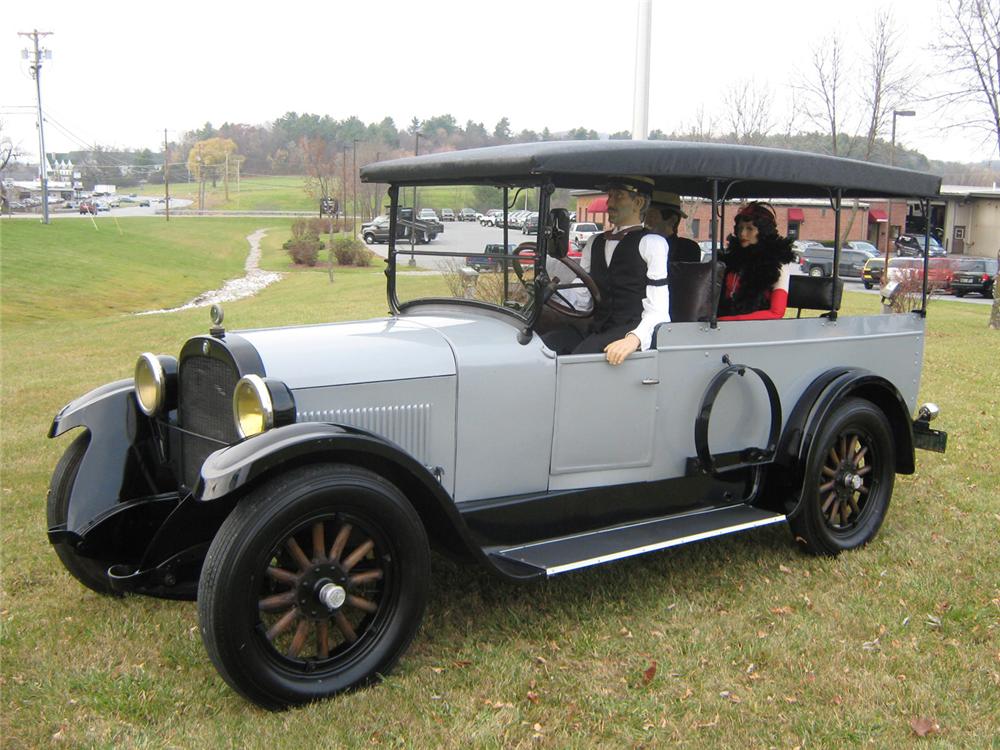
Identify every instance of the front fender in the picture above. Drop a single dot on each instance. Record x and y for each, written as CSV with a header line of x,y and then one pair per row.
x,y
240,465
109,414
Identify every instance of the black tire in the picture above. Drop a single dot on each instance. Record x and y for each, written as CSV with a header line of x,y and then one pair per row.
x,y
88,571
959,294
849,478
256,583
988,294
816,271
369,239
868,285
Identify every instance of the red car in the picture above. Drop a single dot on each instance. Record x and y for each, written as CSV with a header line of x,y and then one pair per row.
x,y
87,207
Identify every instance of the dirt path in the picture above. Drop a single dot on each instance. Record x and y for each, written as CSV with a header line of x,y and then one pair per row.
x,y
252,282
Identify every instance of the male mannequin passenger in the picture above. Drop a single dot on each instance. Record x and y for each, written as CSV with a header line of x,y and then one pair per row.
x,y
629,265
663,216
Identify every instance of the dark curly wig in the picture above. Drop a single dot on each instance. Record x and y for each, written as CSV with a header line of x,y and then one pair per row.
x,y
761,216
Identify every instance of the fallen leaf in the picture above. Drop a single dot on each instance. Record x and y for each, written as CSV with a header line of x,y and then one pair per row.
x,y
625,633
461,663
649,673
923,726
537,727
687,694
784,569
532,696
437,670
706,724
730,696
656,633
781,610
837,700
791,699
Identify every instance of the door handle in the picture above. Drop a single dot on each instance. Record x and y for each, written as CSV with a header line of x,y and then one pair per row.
x,y
650,381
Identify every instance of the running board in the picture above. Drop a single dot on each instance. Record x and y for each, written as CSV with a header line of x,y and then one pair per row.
x,y
562,554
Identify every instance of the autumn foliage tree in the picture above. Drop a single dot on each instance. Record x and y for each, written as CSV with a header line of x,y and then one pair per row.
x,y
210,158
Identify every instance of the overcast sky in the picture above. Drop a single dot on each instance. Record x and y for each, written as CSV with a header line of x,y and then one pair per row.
x,y
122,72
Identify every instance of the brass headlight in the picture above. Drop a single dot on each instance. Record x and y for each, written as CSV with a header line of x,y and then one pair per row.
x,y
252,406
155,382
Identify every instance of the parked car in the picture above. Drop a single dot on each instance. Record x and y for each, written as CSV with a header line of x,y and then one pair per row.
x,y
492,218
466,214
87,207
911,270
530,223
912,245
818,261
378,229
580,232
294,479
863,246
447,214
428,214
975,276
488,260
871,274
143,203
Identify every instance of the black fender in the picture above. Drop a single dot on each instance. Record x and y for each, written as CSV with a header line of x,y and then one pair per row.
x,y
237,468
819,400
111,416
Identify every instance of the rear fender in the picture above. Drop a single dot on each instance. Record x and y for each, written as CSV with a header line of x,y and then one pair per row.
x,y
819,400
239,467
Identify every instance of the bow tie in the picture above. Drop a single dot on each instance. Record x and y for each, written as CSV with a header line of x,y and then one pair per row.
x,y
620,234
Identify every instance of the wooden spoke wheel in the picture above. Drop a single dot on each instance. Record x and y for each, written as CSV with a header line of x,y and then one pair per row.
x,y
849,480
316,583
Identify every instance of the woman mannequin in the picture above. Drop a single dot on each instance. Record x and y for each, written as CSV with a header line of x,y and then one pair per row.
x,y
759,263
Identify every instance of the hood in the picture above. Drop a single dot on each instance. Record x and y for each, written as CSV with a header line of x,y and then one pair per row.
x,y
341,353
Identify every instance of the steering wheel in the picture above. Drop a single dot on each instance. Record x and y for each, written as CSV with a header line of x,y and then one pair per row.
x,y
553,298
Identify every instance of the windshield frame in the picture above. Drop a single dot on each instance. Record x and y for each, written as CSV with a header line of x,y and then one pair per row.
x,y
527,317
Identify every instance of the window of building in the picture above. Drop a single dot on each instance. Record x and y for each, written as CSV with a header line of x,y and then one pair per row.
x,y
695,228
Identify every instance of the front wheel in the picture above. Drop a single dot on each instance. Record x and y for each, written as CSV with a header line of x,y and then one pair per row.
x,y
369,238
849,479
316,583
816,271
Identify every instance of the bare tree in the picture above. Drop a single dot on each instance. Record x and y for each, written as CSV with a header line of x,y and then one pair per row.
x,y
322,162
971,43
888,83
748,111
823,87
8,152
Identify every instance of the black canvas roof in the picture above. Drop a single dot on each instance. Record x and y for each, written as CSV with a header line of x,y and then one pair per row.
x,y
683,167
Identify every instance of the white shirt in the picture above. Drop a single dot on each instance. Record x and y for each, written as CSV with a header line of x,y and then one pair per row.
x,y
656,303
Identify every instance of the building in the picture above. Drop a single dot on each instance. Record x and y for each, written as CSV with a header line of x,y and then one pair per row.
x,y
971,220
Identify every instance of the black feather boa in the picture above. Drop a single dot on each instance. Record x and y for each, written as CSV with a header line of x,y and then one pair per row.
x,y
758,267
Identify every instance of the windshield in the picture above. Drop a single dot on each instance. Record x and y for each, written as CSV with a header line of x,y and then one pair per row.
x,y
586,228
485,263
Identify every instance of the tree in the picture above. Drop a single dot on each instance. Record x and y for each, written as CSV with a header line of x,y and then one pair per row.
x,y
748,110
971,44
621,135
823,87
8,153
322,167
210,157
502,130
888,83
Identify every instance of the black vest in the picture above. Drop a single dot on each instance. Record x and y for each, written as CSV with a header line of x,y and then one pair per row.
x,y
622,285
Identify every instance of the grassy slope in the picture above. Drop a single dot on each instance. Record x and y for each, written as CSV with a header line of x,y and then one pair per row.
x,y
755,644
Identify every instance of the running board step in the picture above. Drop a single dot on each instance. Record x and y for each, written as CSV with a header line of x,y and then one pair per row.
x,y
562,554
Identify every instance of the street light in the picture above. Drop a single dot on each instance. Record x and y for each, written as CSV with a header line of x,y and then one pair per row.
x,y
354,221
413,228
892,158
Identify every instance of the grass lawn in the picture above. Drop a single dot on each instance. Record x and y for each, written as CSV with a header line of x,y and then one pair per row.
x,y
740,642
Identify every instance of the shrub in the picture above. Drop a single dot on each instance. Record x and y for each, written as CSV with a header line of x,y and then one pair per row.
x,y
350,251
304,246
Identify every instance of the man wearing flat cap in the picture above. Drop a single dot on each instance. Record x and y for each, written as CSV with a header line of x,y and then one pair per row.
x,y
629,265
663,216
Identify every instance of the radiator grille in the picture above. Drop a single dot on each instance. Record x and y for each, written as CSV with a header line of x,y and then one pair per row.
x,y
206,409
407,425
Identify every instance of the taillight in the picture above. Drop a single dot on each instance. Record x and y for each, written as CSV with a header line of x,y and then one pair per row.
x,y
986,277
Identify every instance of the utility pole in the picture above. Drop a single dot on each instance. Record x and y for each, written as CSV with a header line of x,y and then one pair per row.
x,y
343,185
166,170
36,73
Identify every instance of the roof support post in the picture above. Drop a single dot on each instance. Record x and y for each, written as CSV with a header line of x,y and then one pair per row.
x,y
713,320
837,203
391,270
925,204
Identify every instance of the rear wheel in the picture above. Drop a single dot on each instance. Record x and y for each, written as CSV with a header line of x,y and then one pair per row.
x,y
868,285
88,571
816,271
316,583
849,479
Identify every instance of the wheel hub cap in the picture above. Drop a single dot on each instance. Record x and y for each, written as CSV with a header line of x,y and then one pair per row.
x,y
332,595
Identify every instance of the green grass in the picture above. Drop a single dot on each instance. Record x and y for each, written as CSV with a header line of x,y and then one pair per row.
x,y
755,645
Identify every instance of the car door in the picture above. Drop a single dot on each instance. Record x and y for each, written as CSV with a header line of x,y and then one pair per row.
x,y
604,418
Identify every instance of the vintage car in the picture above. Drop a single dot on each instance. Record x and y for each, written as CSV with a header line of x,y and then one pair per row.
x,y
294,479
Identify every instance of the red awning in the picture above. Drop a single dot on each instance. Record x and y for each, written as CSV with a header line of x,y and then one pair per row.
x,y
795,214
599,205
877,215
